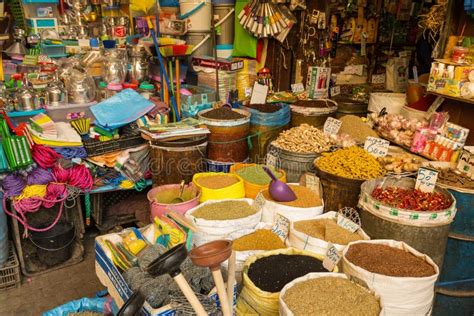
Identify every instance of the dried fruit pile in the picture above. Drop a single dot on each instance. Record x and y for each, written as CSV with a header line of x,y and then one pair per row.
x,y
411,199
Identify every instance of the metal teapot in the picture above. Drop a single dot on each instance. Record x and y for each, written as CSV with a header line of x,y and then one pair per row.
x,y
139,64
80,88
55,94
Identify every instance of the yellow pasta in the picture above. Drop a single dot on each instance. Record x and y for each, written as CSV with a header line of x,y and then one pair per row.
x,y
353,162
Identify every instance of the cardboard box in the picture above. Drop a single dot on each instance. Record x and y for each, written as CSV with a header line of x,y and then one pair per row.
x,y
110,276
448,78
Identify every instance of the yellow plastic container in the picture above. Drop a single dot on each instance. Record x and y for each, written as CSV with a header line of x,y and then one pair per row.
x,y
234,191
253,300
252,189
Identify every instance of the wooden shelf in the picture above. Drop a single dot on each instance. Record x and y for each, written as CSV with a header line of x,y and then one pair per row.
x,y
470,101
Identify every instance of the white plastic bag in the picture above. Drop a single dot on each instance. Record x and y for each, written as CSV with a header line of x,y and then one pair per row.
x,y
302,241
399,295
210,230
397,74
392,102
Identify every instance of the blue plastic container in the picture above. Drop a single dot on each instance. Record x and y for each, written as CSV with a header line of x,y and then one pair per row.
x,y
455,290
217,166
3,234
278,118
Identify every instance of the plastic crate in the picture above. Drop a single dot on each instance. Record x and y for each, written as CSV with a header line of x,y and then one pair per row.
x,y
10,272
18,13
102,205
53,50
96,148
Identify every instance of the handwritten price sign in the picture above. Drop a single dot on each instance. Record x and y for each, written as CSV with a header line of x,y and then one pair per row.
x,y
332,257
331,126
281,226
426,180
346,223
376,146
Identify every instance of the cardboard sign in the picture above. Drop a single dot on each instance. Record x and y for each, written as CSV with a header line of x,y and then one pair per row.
x,y
259,201
332,257
378,79
331,126
312,182
297,87
354,70
336,90
426,180
259,94
281,226
376,146
346,223
271,160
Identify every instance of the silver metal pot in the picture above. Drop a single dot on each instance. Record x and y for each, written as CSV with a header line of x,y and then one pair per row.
x,y
55,95
80,88
25,100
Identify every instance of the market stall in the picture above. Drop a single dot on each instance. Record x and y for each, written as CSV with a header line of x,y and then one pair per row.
x,y
250,157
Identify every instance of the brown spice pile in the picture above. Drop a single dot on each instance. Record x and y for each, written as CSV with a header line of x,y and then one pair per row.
x,y
217,181
223,113
261,239
265,108
330,296
389,261
305,197
326,229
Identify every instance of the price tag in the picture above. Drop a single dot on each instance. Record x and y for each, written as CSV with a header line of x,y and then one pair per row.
x,y
354,70
426,179
376,146
312,182
336,90
331,126
271,160
259,94
281,226
248,92
332,257
259,201
464,161
378,79
346,223
297,87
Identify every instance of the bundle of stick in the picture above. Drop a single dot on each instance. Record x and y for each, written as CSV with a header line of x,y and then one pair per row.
x,y
263,18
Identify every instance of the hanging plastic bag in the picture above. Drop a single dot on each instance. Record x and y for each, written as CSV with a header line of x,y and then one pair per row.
x,y
245,45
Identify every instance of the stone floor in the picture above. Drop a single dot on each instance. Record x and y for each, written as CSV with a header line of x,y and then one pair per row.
x,y
44,292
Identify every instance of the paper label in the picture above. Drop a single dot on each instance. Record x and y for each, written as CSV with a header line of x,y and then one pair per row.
x,y
336,90
354,70
248,92
281,226
378,79
464,163
271,160
426,179
376,146
259,94
313,183
332,126
297,87
332,257
346,223
259,201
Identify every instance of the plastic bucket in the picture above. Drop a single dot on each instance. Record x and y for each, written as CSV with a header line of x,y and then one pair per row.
x,y
202,43
217,166
224,51
160,209
224,15
54,246
198,13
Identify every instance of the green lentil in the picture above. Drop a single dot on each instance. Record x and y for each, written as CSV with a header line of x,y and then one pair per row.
x,y
256,175
225,210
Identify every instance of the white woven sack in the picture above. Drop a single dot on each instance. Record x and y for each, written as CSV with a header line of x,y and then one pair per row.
x,y
209,230
270,209
302,241
284,310
399,295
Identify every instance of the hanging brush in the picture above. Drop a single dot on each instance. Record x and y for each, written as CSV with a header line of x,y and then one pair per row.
x,y
263,18
81,125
